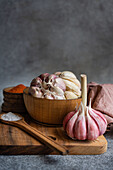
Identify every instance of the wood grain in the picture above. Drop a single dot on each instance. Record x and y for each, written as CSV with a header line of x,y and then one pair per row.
x,y
10,95
13,141
49,111
13,109
13,102
23,125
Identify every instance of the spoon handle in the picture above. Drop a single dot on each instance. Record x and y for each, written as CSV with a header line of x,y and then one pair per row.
x,y
41,137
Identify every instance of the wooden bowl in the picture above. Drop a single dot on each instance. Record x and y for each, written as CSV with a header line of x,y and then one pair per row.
x,y
9,95
13,102
47,111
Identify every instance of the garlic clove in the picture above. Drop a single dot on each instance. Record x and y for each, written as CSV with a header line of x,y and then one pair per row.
x,y
77,93
99,121
74,80
36,92
44,76
57,73
57,90
50,79
92,128
32,90
67,118
71,124
101,115
67,74
45,85
70,86
36,82
60,83
59,97
70,95
48,94
80,125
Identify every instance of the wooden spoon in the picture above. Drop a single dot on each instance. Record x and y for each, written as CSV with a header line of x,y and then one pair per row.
x,y
36,134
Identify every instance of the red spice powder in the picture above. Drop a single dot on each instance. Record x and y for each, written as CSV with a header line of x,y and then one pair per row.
x,y
17,89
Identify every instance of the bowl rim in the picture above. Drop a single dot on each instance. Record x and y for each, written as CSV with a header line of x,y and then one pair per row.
x,y
4,91
24,92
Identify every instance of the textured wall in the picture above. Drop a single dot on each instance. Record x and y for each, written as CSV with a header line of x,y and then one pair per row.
x,y
39,36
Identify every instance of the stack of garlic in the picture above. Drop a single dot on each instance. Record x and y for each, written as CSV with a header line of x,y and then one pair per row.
x,y
61,85
47,86
72,84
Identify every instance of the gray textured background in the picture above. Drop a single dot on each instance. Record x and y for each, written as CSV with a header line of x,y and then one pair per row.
x,y
39,36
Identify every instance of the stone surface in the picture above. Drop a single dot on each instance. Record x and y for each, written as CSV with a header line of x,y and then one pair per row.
x,y
39,36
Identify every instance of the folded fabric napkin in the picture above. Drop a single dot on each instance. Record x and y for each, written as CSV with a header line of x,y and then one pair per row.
x,y
102,99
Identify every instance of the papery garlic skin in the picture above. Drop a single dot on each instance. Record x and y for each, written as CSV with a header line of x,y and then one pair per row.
x,y
80,131
71,124
71,82
92,128
67,118
57,90
37,82
57,73
67,74
52,80
48,96
58,97
86,123
44,76
70,86
36,92
60,83
99,119
53,93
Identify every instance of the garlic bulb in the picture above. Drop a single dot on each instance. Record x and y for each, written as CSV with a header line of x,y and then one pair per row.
x,y
85,124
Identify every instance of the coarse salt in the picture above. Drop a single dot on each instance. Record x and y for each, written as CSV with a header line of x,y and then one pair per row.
x,y
11,117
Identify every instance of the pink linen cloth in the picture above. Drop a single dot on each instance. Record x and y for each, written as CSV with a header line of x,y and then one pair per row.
x,y
102,99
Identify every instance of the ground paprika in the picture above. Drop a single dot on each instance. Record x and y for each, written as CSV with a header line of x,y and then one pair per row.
x,y
17,89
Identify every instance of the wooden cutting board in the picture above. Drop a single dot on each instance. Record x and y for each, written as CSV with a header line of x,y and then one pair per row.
x,y
14,141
